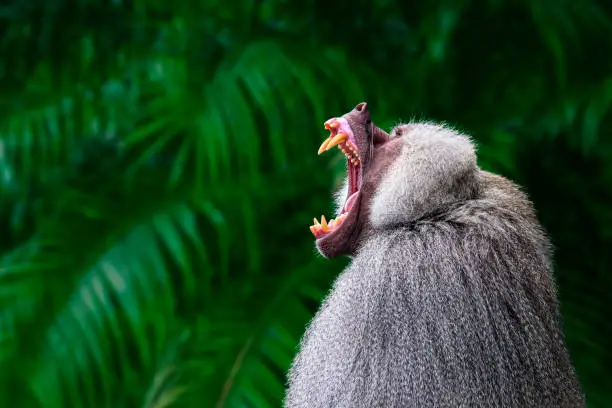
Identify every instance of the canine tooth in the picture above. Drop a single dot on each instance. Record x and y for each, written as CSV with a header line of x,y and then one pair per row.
x,y
316,222
313,229
324,146
339,138
324,223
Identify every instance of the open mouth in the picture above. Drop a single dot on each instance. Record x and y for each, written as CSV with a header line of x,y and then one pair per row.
x,y
342,136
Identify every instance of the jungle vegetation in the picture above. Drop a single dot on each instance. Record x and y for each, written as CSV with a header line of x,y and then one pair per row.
x,y
158,174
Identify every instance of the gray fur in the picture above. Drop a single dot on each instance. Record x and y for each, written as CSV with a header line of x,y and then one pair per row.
x,y
450,300
436,166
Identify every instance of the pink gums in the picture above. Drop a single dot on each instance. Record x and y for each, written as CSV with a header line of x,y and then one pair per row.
x,y
345,128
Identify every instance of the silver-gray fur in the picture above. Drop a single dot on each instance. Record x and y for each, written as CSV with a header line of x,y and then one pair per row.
x,y
450,300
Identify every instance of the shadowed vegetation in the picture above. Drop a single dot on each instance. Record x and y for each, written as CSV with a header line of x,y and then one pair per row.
x,y
158,173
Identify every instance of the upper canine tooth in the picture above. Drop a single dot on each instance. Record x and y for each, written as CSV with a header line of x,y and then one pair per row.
x,y
324,145
339,138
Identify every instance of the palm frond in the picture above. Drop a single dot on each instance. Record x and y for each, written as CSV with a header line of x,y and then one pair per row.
x,y
131,283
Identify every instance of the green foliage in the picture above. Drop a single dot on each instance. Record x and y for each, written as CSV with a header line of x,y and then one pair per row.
x,y
158,173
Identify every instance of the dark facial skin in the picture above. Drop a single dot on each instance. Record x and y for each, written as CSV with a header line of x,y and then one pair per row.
x,y
377,150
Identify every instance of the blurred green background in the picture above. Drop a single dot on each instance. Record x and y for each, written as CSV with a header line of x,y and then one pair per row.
x,y
159,173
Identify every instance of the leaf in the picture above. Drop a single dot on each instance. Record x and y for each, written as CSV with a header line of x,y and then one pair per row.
x,y
128,285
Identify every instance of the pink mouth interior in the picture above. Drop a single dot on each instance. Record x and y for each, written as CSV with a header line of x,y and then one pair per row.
x,y
339,126
350,201
353,170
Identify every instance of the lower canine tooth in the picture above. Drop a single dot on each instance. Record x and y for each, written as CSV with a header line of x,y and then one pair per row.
x,y
324,223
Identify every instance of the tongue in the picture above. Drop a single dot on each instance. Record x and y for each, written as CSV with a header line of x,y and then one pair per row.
x,y
350,201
